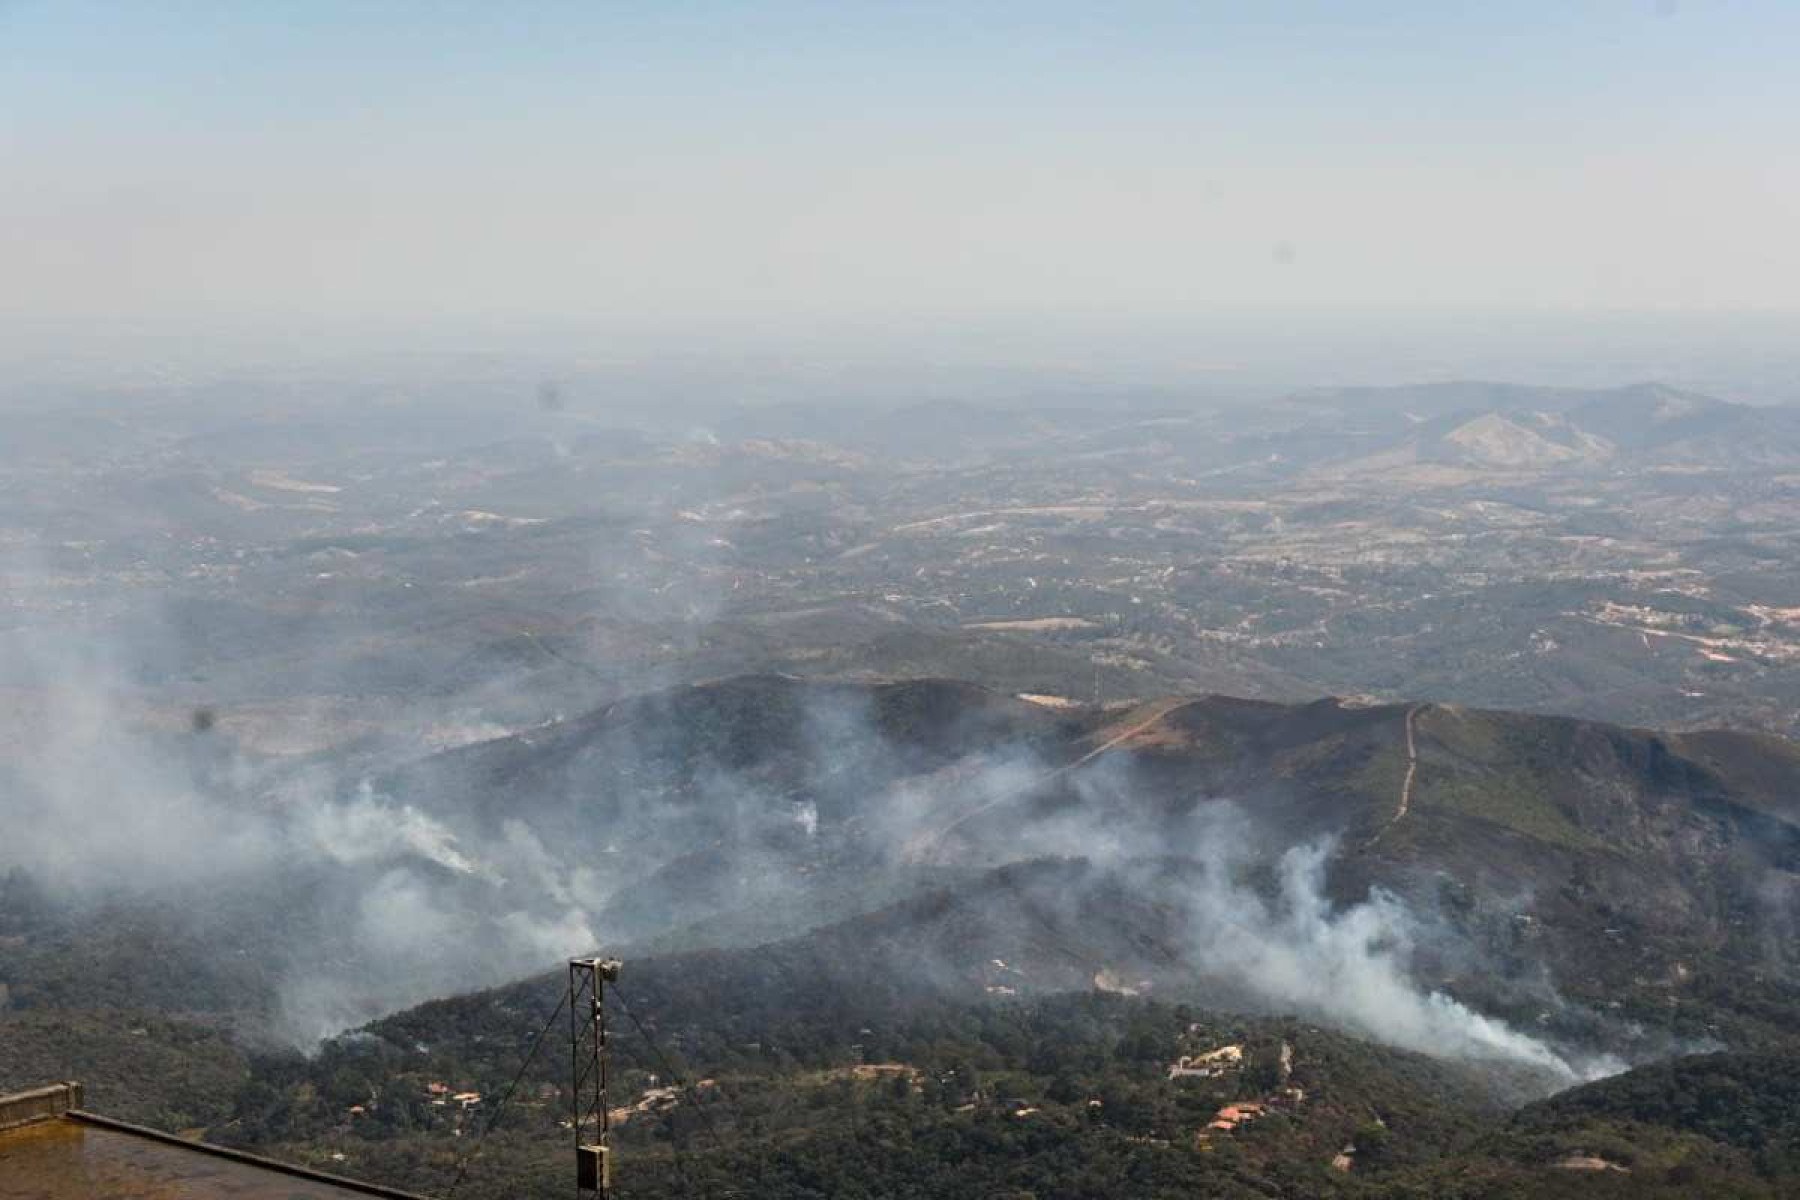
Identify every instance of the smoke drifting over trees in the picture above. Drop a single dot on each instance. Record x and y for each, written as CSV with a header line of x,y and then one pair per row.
x,y
690,818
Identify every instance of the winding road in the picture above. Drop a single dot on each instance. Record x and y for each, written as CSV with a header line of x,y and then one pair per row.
x,y
1412,768
931,847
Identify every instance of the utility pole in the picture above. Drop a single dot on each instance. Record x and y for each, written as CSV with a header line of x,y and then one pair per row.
x,y
588,978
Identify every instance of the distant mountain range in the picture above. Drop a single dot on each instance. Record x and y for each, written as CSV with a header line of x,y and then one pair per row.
x,y
1518,427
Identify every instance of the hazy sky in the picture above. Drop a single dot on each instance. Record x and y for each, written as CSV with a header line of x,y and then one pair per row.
x,y
674,158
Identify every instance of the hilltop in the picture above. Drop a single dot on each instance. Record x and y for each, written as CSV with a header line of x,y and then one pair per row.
x,y
1586,882
1619,859
1440,911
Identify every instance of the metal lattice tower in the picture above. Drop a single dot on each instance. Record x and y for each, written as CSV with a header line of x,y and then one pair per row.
x,y
588,978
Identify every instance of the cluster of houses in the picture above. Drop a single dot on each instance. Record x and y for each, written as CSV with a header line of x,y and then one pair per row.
x,y
654,1100
1229,1118
441,1096
1210,1065
1222,1061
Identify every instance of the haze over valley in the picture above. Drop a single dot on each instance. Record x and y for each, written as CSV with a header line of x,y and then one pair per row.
x,y
1334,708
1022,601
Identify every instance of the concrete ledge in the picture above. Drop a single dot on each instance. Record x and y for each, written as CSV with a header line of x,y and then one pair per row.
x,y
254,1160
39,1104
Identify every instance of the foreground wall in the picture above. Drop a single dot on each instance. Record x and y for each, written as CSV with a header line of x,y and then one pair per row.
x,y
39,1104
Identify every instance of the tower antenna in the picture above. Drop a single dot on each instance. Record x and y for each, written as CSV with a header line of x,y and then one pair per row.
x,y
588,978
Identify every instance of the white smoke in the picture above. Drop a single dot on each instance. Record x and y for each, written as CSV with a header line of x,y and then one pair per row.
x,y
1287,948
372,828
101,790
1350,965
806,816
549,940
94,798
88,799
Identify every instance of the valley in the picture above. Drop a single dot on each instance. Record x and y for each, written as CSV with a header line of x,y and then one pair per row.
x,y
1429,747
899,601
